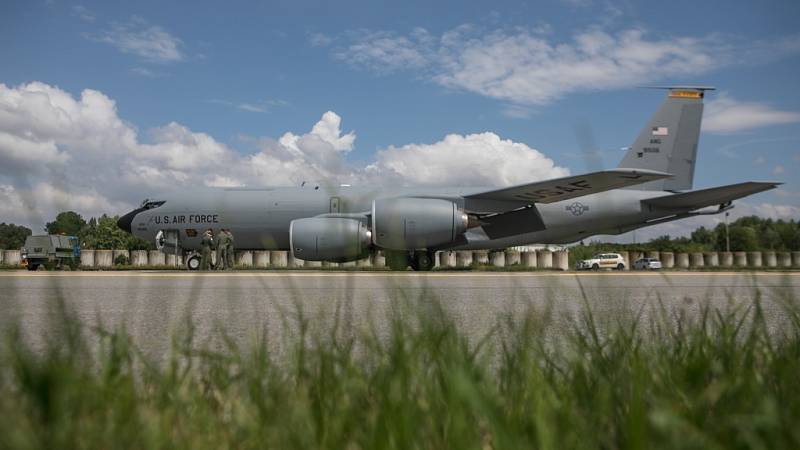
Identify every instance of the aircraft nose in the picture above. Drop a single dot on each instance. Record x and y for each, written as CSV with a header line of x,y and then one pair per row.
x,y
124,222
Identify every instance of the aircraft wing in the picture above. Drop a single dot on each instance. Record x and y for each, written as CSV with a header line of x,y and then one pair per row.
x,y
709,197
558,189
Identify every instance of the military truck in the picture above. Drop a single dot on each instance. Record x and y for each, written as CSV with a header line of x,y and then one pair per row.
x,y
51,251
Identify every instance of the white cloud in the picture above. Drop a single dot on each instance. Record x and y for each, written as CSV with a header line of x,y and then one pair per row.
x,y
150,42
724,114
59,152
522,66
476,159
320,40
83,13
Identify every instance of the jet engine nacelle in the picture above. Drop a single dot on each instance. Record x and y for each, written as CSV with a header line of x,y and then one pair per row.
x,y
416,223
329,239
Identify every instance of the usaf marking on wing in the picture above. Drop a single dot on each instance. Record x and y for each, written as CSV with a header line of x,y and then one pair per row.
x,y
651,185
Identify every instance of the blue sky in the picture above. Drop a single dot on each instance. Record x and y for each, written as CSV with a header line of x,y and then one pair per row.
x,y
246,86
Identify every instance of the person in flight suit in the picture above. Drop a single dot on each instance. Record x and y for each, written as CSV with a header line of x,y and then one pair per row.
x,y
229,255
222,248
206,244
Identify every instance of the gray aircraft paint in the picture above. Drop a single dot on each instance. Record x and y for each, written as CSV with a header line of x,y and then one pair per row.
x,y
260,218
668,143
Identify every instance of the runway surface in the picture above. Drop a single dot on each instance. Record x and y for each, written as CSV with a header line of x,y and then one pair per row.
x,y
152,305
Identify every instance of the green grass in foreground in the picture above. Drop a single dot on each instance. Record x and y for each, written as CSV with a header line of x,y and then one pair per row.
x,y
720,380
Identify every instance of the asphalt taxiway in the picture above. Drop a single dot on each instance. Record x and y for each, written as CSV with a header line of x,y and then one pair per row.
x,y
150,305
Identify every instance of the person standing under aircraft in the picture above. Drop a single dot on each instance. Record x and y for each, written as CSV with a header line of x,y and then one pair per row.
x,y
206,244
229,252
222,239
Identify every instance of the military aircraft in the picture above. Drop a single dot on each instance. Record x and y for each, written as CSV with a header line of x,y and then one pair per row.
x,y
651,185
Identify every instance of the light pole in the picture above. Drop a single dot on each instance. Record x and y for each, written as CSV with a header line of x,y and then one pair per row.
x,y
727,235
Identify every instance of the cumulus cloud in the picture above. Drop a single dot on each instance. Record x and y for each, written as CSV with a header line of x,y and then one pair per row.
x,y
522,66
724,114
138,37
476,159
60,152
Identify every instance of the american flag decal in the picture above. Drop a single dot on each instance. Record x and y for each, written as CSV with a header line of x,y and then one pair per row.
x,y
660,131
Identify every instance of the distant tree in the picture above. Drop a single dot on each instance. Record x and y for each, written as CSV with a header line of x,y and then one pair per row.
x,y
703,236
103,233
67,222
13,236
743,239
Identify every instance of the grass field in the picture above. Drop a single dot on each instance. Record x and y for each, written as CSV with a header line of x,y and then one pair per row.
x,y
722,380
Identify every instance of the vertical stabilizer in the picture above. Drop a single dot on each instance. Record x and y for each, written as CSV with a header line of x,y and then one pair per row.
x,y
669,141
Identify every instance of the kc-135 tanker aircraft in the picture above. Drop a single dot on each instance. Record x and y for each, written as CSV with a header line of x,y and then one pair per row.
x,y
651,185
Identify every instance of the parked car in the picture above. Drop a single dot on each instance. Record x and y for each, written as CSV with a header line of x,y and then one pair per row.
x,y
602,261
647,264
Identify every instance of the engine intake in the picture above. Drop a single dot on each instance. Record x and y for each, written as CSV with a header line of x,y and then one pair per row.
x,y
329,239
416,223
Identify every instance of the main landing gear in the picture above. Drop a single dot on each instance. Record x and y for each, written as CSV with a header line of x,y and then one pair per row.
x,y
419,260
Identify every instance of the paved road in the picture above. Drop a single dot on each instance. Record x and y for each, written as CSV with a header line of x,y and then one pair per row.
x,y
152,304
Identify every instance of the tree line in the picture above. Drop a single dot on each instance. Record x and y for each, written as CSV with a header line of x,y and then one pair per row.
x,y
97,233
749,233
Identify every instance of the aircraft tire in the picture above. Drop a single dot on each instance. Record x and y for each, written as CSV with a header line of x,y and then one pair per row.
x,y
423,261
33,267
397,260
193,262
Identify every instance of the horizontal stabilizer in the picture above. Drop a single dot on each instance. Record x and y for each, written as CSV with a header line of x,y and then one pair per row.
x,y
559,189
709,197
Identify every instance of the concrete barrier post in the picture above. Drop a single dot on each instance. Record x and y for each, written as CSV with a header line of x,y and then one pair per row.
x,y
795,259
667,260
770,259
463,258
726,259
139,258
682,260
244,259
634,256
12,257
740,259
292,261
307,263
156,258
347,264
544,259
497,259
627,258
103,258
696,260
448,259
87,257
529,258
512,257
120,253
379,259
261,259
785,259
711,259
279,258
480,257
364,262
169,260
561,260
754,259
2,256
437,259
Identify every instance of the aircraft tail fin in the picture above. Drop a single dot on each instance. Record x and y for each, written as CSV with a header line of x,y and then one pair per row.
x,y
669,141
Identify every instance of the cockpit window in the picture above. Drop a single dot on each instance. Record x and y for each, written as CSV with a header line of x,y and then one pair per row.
x,y
147,204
